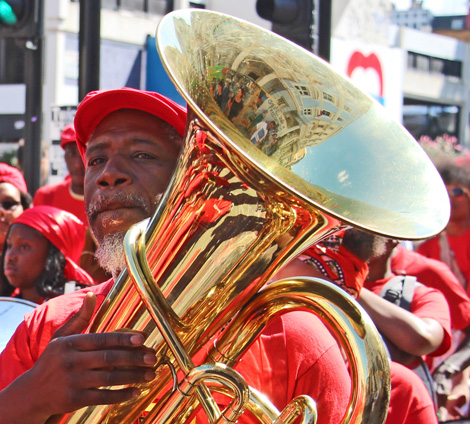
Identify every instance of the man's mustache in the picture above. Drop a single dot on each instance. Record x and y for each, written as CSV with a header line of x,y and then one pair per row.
x,y
103,201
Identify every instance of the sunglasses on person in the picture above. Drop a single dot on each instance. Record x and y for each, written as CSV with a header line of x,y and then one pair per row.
x,y
9,205
456,192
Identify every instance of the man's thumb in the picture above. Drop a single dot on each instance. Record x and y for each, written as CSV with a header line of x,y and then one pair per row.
x,y
80,320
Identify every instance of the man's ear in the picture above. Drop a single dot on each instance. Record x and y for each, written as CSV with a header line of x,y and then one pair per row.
x,y
393,243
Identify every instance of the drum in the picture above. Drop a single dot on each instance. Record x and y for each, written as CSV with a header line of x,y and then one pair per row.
x,y
12,311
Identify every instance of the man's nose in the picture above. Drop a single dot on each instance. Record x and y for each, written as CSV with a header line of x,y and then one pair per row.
x,y
114,173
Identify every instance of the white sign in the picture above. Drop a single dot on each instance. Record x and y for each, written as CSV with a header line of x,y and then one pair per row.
x,y
375,69
61,116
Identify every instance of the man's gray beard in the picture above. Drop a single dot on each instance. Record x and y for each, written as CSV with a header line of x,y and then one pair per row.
x,y
110,253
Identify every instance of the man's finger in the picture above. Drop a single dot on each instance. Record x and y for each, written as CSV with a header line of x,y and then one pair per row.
x,y
119,377
79,321
118,341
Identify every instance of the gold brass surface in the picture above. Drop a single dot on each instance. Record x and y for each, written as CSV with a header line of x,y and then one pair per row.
x,y
237,210
332,144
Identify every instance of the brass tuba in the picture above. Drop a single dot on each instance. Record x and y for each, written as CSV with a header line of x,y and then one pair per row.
x,y
242,203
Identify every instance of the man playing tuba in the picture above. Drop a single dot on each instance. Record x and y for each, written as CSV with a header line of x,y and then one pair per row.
x,y
130,141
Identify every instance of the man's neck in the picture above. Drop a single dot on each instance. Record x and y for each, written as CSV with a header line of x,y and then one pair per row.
x,y
379,269
76,188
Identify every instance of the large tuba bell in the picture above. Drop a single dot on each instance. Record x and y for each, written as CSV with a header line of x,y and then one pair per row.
x,y
242,203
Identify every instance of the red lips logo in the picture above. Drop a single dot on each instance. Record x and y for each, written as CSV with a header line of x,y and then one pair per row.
x,y
358,60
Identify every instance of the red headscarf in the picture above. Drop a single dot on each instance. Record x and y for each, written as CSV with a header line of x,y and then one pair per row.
x,y
12,175
65,231
339,266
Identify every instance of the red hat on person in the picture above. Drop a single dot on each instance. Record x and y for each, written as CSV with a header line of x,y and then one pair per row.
x,y
98,104
65,231
12,175
67,135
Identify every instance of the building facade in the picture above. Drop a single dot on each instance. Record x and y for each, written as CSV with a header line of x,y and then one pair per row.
x,y
421,77
415,18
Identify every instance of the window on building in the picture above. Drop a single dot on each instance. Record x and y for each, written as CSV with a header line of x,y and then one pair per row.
x,y
281,101
302,90
452,68
328,97
457,24
437,65
423,63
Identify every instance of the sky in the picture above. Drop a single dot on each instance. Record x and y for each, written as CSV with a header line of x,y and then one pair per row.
x,y
438,7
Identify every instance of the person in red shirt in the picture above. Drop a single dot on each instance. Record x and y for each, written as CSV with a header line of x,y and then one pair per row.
x,y
436,274
130,140
450,383
452,246
425,328
41,252
68,195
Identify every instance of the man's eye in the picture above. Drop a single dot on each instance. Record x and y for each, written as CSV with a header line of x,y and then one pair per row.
x,y
144,155
95,161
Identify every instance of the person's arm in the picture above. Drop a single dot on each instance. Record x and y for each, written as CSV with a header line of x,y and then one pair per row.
x,y
411,334
70,372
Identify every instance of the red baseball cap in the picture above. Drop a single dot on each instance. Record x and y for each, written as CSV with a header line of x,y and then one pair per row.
x,y
68,135
98,104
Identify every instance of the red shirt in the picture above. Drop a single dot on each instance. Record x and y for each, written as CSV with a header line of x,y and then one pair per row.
x,y
294,355
61,196
459,245
436,274
410,402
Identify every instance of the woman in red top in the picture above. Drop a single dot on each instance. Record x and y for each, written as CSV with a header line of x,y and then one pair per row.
x,y
40,254
452,246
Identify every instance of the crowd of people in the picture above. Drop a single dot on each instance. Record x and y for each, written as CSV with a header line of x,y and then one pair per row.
x,y
64,251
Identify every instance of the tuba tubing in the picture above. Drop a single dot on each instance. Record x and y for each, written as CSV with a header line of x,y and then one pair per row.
x,y
344,317
239,207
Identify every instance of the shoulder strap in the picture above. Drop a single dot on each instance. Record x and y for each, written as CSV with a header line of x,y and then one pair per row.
x,y
399,290
409,285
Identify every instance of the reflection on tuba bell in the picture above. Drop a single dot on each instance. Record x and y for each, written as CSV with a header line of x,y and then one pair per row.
x,y
291,155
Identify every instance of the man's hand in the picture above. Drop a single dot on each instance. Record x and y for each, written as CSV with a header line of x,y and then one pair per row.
x,y
442,377
453,393
74,368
